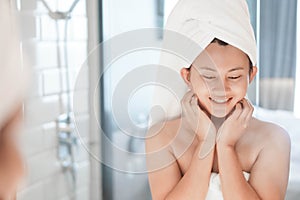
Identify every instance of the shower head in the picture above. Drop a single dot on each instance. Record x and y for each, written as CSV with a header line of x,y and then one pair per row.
x,y
57,15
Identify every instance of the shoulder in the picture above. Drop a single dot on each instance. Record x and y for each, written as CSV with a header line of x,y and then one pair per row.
x,y
270,170
272,135
159,150
161,134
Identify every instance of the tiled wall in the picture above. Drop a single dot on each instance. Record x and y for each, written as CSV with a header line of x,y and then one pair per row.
x,y
47,100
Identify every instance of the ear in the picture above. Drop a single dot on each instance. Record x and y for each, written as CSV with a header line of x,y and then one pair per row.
x,y
253,74
185,74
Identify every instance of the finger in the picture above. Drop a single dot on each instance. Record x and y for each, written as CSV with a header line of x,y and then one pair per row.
x,y
249,103
187,97
190,107
185,101
250,114
245,111
237,112
194,105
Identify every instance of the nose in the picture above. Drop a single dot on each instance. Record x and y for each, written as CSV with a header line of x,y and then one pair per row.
x,y
220,87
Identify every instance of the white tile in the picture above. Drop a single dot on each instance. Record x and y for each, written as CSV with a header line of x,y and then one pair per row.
x,y
41,54
79,28
50,135
81,101
27,23
51,3
29,49
83,175
28,5
95,181
66,102
46,54
58,186
52,83
81,154
77,54
39,139
61,185
80,80
95,155
41,110
64,5
36,85
80,8
75,77
33,192
54,30
47,28
83,194
32,141
82,125
42,166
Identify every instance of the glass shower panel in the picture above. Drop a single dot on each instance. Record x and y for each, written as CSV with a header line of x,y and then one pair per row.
x,y
125,99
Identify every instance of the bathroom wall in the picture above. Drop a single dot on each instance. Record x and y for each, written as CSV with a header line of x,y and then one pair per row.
x,y
45,178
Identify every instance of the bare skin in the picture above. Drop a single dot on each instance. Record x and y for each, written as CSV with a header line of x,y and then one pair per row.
x,y
261,140
227,139
11,164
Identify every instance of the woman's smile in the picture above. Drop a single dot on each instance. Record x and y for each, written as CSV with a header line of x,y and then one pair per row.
x,y
220,101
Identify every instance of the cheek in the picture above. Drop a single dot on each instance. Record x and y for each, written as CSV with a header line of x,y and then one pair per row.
x,y
240,88
199,86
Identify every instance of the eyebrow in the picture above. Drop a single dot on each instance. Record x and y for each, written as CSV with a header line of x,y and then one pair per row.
x,y
231,70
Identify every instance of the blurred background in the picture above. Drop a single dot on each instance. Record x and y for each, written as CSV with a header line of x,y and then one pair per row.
x,y
61,37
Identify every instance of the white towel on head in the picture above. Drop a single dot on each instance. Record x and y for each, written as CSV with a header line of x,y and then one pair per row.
x,y
201,21
13,76
227,20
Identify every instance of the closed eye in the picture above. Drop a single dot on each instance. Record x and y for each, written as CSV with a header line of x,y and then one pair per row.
x,y
234,77
208,77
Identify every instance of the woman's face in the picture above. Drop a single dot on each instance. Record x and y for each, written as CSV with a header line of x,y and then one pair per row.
x,y
219,77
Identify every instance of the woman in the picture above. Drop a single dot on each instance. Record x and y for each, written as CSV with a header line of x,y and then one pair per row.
x,y
215,149
13,79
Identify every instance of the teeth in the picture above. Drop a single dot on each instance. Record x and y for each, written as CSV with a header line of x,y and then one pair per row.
x,y
220,100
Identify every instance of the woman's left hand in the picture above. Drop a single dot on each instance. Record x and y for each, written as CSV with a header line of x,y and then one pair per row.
x,y
236,124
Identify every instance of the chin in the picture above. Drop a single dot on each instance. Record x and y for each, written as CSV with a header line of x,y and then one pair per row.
x,y
218,110
222,113
219,114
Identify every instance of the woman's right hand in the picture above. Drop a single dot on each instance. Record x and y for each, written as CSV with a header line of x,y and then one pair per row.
x,y
195,120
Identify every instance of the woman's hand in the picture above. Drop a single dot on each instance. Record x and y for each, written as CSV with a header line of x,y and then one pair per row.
x,y
195,120
236,124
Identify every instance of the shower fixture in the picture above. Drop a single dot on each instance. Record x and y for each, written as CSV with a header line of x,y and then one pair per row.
x,y
58,15
66,135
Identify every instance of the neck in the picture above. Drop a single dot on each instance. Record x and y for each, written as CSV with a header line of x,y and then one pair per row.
x,y
217,121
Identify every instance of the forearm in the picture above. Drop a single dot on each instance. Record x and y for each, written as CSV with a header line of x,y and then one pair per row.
x,y
234,184
194,184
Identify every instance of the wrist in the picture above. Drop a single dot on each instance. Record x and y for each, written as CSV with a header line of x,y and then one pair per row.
x,y
224,142
208,135
206,148
224,146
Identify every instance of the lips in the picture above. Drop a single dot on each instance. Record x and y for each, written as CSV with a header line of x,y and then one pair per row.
x,y
220,100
